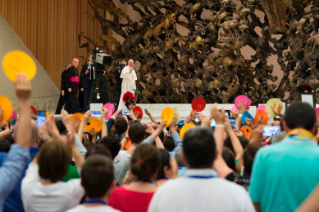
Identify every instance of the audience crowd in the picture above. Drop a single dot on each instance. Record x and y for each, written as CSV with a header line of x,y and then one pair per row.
x,y
60,167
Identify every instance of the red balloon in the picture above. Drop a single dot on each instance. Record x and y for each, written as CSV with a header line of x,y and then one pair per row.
x,y
139,111
198,104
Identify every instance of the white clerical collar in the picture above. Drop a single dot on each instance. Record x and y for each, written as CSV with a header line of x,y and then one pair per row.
x,y
200,172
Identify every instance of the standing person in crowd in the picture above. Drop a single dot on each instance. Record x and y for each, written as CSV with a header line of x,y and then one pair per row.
x,y
63,90
117,73
214,193
88,76
128,84
137,195
283,174
168,168
97,180
18,156
42,188
72,104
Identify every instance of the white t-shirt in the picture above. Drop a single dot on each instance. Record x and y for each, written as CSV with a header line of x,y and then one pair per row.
x,y
189,194
57,197
81,208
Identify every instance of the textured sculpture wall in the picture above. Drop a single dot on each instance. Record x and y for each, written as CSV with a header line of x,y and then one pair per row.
x,y
208,61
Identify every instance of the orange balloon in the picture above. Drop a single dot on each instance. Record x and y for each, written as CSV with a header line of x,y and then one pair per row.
x,y
94,123
246,130
259,114
168,115
128,144
6,105
18,62
185,128
77,116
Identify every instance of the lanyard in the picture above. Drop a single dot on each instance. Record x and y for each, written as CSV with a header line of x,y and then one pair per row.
x,y
164,178
202,177
145,181
94,201
133,147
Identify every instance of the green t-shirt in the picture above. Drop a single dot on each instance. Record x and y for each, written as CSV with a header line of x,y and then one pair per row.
x,y
284,174
72,174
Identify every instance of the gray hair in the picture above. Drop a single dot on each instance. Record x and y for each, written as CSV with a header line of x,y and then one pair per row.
x,y
67,64
130,60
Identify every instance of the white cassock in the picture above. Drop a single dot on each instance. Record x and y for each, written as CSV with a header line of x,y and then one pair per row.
x,y
128,84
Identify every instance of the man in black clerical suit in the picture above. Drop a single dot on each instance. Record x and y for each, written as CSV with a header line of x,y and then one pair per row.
x,y
72,104
88,76
63,91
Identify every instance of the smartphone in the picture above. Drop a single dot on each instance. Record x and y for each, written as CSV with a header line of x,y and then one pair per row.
x,y
125,112
96,109
270,131
213,123
146,110
232,122
41,117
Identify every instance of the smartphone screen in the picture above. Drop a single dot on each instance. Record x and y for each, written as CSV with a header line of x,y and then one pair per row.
x,y
96,109
270,131
126,112
41,117
232,122
213,123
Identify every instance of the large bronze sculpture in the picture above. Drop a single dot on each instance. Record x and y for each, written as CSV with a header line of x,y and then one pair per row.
x,y
208,61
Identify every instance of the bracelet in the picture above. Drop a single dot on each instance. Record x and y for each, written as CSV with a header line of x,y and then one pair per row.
x,y
192,120
240,115
220,125
104,121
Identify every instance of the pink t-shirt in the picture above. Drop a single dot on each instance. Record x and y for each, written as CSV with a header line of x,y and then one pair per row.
x,y
130,201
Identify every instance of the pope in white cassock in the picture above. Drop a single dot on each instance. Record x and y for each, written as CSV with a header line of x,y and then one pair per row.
x,y
128,75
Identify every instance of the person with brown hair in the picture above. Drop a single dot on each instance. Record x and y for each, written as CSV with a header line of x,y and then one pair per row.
x,y
97,178
42,188
137,195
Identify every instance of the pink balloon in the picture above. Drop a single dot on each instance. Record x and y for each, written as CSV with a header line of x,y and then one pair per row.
x,y
14,114
110,108
233,108
317,111
244,99
261,107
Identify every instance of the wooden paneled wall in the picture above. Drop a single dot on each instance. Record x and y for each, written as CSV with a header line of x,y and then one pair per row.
x,y
50,29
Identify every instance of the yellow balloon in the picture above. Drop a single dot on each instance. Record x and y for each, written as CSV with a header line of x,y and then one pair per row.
x,y
18,62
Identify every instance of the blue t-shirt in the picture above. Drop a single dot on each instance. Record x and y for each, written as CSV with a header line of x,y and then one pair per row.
x,y
13,203
284,174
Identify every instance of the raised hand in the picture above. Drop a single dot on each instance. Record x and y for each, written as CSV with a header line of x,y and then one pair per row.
x,y
22,87
104,112
218,116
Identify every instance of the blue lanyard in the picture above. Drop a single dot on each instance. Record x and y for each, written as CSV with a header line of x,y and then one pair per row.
x,y
133,147
94,201
202,177
145,181
164,178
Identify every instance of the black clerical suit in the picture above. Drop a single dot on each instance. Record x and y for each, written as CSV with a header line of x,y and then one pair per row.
x,y
119,80
72,104
62,98
87,83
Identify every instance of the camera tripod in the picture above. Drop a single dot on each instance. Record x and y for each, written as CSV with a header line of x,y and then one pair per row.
x,y
100,86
